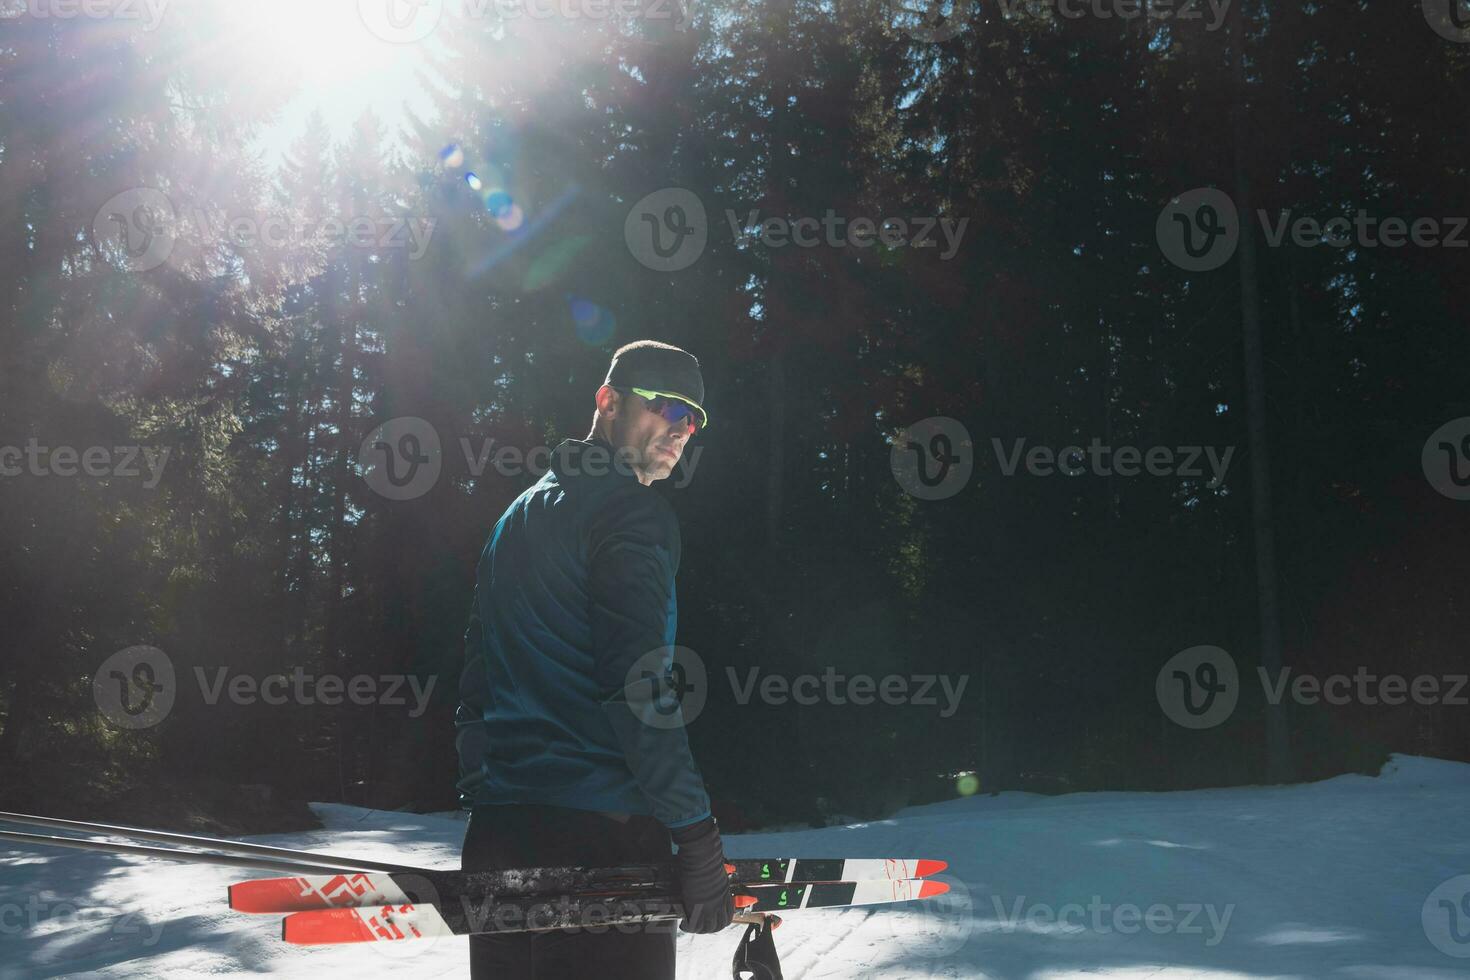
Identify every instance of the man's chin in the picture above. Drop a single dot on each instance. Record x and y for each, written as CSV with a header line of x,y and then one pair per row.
x,y
659,465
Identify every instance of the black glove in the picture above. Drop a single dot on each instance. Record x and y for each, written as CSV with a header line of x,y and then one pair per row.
x,y
704,884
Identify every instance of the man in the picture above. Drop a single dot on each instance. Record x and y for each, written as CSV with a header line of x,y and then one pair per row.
x,y
574,600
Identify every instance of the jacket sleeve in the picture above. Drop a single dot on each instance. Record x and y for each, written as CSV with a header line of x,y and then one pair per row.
x,y
634,555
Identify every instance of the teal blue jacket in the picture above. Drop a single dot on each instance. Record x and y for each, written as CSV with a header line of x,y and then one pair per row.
x,y
574,587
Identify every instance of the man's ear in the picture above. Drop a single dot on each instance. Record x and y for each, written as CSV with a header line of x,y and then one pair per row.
x,y
608,399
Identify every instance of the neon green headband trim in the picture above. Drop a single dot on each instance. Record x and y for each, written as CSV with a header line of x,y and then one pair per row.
x,y
649,393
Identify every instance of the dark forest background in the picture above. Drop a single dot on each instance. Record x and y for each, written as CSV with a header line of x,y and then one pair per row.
x,y
1058,320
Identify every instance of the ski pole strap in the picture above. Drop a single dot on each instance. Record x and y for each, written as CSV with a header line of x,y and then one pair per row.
x,y
755,958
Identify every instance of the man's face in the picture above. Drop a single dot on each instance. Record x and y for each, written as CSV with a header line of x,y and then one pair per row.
x,y
652,444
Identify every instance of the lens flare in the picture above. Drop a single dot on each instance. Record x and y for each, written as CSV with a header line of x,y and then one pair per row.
x,y
473,181
498,203
594,325
512,219
452,156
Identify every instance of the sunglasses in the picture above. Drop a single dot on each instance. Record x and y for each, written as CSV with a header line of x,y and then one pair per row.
x,y
671,409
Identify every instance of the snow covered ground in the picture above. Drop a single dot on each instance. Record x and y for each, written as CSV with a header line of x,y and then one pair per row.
x,y
1350,878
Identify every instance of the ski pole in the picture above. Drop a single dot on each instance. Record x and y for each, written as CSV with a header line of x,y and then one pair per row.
x,y
238,848
167,854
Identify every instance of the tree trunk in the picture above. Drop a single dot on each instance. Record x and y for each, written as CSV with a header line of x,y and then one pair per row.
x,y
1279,768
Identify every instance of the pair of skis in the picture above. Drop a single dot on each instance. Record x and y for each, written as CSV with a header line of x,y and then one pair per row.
x,y
330,899
375,907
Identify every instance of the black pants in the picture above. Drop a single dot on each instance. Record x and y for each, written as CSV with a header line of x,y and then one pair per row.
x,y
522,836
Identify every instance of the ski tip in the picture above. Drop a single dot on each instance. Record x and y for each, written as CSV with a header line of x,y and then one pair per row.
x,y
265,895
325,926
923,867
929,889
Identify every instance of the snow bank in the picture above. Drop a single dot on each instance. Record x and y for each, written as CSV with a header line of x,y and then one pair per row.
x,y
1357,878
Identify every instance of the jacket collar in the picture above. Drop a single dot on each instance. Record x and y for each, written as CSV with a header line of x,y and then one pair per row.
x,y
593,457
